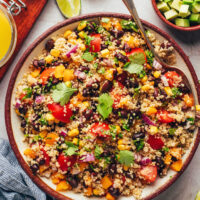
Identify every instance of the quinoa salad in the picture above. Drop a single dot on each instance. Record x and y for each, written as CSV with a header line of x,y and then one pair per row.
x,y
100,116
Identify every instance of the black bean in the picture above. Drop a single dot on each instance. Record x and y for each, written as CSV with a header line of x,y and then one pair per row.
x,y
34,168
35,63
112,168
88,114
23,109
139,135
84,69
114,191
129,175
121,57
118,43
41,161
23,123
122,77
126,48
116,33
94,105
73,180
159,162
129,84
81,126
174,159
107,86
49,44
103,46
184,89
124,113
41,63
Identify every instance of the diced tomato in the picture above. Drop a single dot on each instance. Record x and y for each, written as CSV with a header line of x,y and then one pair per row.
x,y
172,77
163,116
155,142
100,129
149,173
66,161
137,50
95,44
46,157
46,74
61,113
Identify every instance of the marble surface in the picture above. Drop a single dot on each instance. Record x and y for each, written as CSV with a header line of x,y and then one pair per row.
x,y
188,184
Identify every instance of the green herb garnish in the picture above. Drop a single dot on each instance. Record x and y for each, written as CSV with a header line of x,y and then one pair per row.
x,y
126,157
62,93
105,105
97,152
150,56
172,131
176,92
129,25
139,144
88,57
28,93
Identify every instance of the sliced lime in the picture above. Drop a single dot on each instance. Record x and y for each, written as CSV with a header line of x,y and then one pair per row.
x,y
69,8
198,196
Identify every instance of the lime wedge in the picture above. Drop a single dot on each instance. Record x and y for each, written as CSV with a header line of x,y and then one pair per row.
x,y
69,8
198,196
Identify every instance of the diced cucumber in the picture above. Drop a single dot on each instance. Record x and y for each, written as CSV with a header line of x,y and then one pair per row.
x,y
194,18
184,9
197,1
171,14
176,4
195,7
170,4
182,22
163,7
189,2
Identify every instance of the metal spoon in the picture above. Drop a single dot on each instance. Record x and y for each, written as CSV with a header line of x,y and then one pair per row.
x,y
131,7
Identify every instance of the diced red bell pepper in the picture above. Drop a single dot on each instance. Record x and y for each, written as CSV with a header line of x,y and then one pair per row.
x,y
100,129
46,74
95,44
61,113
163,116
46,157
137,50
149,173
66,161
172,77
155,142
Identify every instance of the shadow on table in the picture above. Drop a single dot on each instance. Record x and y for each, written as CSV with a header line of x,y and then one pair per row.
x,y
185,37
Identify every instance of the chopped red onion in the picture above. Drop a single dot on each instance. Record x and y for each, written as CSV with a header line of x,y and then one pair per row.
x,y
137,158
147,120
164,80
145,161
18,104
73,50
157,65
62,133
89,157
39,99
80,75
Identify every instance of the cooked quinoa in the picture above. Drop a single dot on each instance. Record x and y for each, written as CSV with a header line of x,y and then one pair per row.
x,y
99,115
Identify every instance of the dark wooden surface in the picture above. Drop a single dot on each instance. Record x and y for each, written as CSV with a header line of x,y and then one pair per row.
x,y
24,21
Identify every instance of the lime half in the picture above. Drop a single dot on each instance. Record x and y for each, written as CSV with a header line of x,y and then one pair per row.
x,y
198,196
69,8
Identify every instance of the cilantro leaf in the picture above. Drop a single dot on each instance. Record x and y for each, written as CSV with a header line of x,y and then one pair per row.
x,y
28,93
129,25
176,92
172,131
134,68
71,149
137,58
88,57
126,157
150,56
139,144
105,105
97,152
88,39
62,93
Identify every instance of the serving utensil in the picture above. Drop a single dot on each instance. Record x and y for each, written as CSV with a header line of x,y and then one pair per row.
x,y
132,9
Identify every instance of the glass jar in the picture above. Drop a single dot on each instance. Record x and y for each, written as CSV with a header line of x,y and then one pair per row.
x,y
8,35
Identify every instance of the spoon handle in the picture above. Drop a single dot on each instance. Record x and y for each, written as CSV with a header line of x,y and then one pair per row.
x,y
132,9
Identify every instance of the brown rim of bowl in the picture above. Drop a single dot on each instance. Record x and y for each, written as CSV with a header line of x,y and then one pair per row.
x,y
192,28
13,143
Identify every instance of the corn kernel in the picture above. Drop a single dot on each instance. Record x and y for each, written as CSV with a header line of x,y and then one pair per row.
x,y
82,47
197,107
17,112
67,34
35,73
105,53
118,129
85,104
125,168
49,59
122,147
144,79
82,34
43,134
168,91
96,192
68,84
148,66
55,52
153,130
81,143
133,42
145,88
157,74
107,25
75,141
120,142
73,132
49,117
151,111
82,25
119,70
123,53
108,75
59,71
68,75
